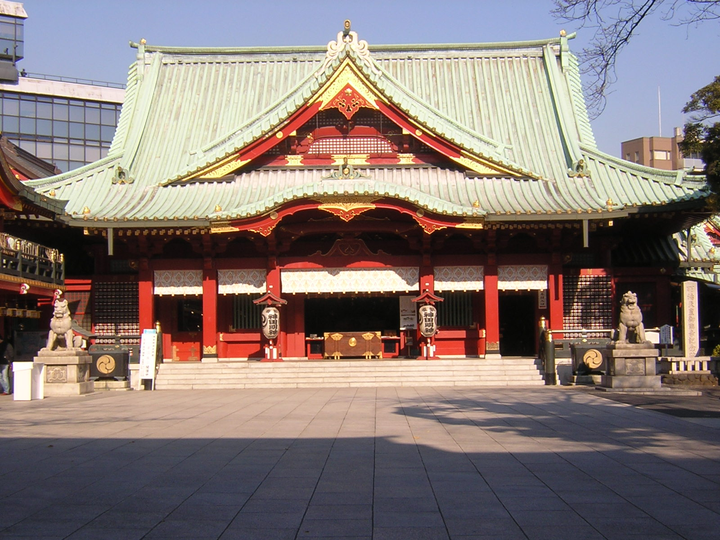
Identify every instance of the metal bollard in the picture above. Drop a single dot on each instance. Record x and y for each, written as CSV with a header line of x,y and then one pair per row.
x,y
549,349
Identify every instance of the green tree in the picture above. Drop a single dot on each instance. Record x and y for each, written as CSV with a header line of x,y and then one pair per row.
x,y
614,22
702,132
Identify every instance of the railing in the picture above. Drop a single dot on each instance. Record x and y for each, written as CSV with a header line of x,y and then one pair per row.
x,y
59,78
688,365
29,260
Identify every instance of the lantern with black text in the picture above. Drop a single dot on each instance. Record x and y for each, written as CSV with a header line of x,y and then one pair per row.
x,y
271,322
428,320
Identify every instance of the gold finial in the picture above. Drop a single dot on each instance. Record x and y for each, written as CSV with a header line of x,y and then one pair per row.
x,y
85,210
476,204
563,33
346,25
142,41
52,193
609,203
218,208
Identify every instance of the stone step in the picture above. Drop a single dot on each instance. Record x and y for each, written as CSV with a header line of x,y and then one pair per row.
x,y
360,373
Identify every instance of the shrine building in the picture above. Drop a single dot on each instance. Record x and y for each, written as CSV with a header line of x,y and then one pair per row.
x,y
342,183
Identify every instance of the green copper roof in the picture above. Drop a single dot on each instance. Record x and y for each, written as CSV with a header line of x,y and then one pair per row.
x,y
518,105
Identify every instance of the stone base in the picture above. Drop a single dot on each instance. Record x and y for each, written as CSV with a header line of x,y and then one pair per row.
x,y
111,384
67,371
591,379
631,366
631,381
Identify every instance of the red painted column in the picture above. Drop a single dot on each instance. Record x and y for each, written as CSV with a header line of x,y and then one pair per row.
x,y
492,311
146,301
555,297
273,285
209,307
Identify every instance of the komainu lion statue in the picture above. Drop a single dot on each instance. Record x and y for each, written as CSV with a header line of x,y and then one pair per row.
x,y
61,326
630,329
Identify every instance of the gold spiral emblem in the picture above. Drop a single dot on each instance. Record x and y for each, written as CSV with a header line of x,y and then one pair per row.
x,y
593,358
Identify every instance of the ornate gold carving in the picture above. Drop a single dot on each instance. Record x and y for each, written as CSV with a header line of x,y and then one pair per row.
x,y
212,349
347,76
294,161
336,337
367,336
492,346
265,230
222,168
483,167
406,159
350,159
348,101
430,228
222,227
352,341
470,225
347,210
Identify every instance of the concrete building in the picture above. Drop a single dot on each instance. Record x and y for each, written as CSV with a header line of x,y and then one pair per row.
x,y
68,122
659,152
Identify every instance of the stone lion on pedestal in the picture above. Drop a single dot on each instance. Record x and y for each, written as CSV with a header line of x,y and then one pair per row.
x,y
630,328
61,333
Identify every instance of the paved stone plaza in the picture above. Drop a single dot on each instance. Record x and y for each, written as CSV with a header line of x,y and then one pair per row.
x,y
388,463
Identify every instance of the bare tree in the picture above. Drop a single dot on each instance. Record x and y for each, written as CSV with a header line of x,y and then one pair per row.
x,y
614,23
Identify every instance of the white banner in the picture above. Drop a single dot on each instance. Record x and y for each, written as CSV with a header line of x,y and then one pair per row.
x,y
350,280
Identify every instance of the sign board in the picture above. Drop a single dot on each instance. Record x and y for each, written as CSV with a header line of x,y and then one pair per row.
x,y
408,313
148,354
690,319
666,335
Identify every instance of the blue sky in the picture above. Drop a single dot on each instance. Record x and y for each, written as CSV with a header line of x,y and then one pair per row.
x,y
89,39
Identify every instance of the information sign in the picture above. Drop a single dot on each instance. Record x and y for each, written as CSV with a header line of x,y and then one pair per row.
x,y
148,355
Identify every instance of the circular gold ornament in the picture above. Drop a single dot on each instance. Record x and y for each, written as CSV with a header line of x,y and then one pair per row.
x,y
352,341
105,364
593,358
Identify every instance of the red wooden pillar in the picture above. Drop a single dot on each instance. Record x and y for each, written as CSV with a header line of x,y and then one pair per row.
x,y
146,302
492,311
555,298
274,288
209,309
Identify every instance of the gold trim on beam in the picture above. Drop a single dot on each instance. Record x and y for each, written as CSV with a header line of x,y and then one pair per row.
x,y
222,227
223,168
470,225
483,167
346,210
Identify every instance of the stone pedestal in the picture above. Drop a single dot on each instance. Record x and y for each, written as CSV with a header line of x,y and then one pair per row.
x,y
632,366
67,372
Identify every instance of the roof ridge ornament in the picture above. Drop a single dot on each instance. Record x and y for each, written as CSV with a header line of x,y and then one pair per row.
x,y
345,171
347,39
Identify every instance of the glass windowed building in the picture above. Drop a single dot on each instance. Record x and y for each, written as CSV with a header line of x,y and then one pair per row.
x,y
68,122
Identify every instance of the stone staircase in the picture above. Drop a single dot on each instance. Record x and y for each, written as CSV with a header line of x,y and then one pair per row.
x,y
349,373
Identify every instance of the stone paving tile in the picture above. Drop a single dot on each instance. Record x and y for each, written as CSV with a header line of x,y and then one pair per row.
x,y
386,463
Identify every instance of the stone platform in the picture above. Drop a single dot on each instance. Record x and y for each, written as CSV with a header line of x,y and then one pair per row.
x,y
632,366
67,371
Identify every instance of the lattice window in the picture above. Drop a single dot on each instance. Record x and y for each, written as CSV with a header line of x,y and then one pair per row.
x,y
351,145
456,310
246,315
